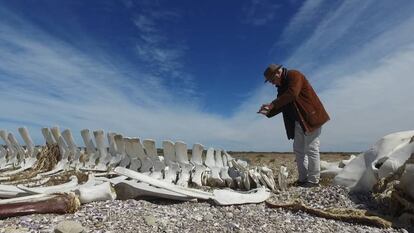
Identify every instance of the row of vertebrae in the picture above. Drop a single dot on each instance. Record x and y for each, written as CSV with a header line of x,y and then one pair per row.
x,y
211,167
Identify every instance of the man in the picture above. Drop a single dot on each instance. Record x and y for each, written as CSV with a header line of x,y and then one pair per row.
x,y
303,115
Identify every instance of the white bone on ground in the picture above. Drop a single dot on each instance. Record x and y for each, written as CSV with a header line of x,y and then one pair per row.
x,y
218,158
359,174
162,184
52,189
230,197
282,178
48,136
101,192
395,160
131,189
197,152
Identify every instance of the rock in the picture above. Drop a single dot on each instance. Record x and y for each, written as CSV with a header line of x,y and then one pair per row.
x,y
69,227
150,220
208,217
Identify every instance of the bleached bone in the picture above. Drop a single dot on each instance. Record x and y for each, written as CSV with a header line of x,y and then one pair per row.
x,y
224,169
406,181
101,192
92,154
185,166
103,158
230,197
11,153
268,177
131,150
360,173
9,191
197,161
255,176
52,189
74,151
20,153
48,136
129,189
163,184
3,159
282,178
40,204
394,161
122,156
55,133
158,165
32,151
345,162
115,157
214,179
172,169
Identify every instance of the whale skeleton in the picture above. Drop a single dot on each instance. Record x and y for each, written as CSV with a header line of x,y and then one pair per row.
x,y
126,165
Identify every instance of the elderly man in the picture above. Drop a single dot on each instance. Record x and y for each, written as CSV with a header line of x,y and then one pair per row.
x,y
303,115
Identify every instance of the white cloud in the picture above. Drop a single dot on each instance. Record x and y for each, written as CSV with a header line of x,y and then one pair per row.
x,y
260,12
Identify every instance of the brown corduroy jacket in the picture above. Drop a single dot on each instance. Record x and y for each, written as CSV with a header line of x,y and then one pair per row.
x,y
297,100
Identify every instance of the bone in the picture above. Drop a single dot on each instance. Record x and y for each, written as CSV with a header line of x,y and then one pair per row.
x,y
92,154
70,142
130,149
48,136
185,166
282,178
52,189
55,133
229,197
163,184
158,165
199,168
31,150
214,179
101,149
172,168
56,203
132,190
20,153
124,160
101,192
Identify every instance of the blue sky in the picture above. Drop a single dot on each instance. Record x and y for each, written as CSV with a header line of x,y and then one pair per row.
x,y
192,70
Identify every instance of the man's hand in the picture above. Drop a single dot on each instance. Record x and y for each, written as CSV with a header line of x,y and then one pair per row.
x,y
265,108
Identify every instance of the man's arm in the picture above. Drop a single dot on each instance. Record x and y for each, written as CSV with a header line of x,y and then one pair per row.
x,y
290,95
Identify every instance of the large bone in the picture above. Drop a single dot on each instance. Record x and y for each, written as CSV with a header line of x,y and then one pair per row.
x,y
101,192
48,136
52,189
131,151
185,166
41,204
195,193
102,150
173,169
199,168
115,157
229,197
32,151
214,179
129,189
92,154
74,151
122,156
11,153
158,165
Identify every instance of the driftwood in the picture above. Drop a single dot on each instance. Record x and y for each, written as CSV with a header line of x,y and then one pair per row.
x,y
57,203
346,215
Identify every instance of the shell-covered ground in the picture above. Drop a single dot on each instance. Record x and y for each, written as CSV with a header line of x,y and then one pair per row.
x,y
168,216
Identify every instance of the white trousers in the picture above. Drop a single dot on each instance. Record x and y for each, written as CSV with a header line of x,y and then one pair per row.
x,y
306,148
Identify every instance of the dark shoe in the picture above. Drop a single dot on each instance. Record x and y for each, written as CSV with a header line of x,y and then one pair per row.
x,y
311,185
299,183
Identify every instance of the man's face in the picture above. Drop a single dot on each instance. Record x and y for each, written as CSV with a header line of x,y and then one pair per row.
x,y
277,78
